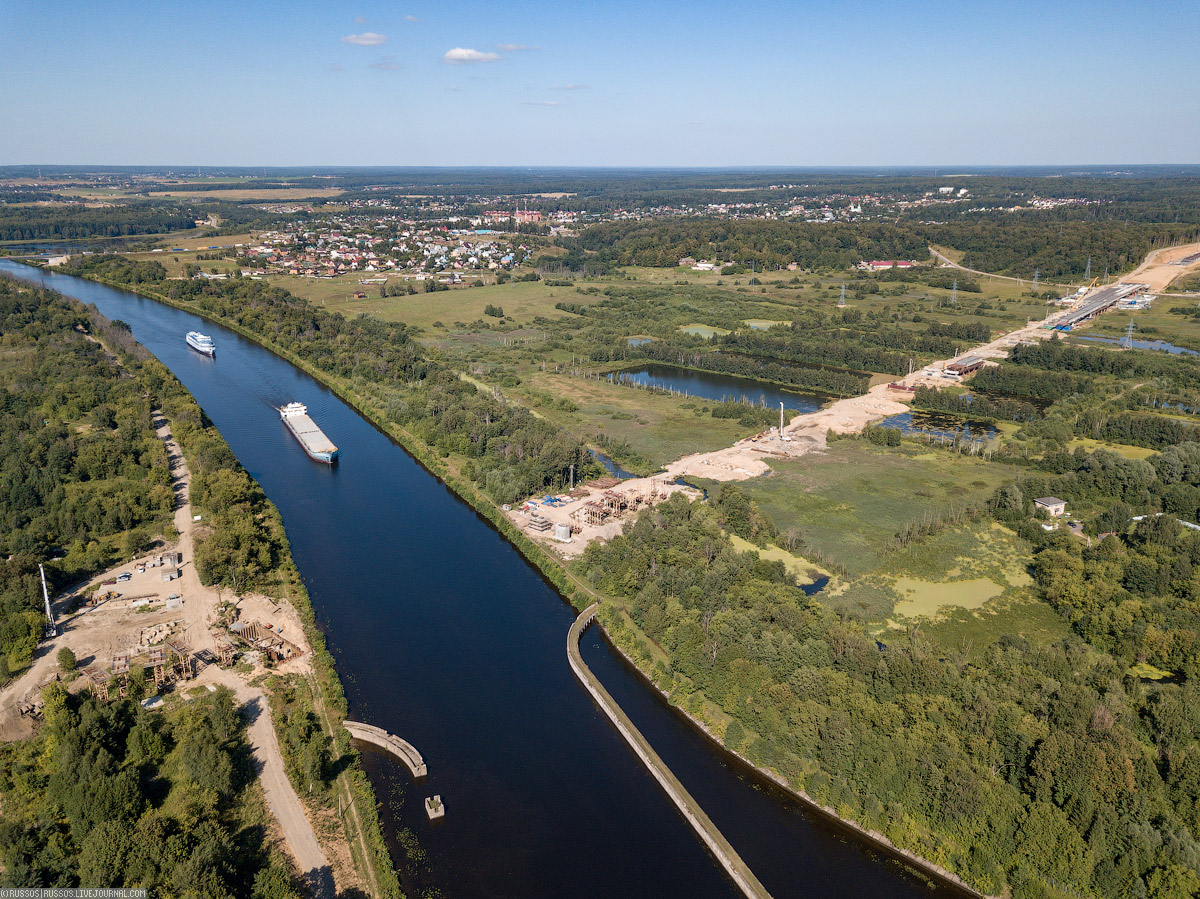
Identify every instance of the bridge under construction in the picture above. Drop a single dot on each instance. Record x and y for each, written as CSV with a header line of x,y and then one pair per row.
x,y
1095,302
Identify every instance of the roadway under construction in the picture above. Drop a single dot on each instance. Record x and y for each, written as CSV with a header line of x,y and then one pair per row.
x,y
1095,302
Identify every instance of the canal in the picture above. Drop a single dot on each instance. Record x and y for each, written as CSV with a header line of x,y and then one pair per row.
x,y
443,634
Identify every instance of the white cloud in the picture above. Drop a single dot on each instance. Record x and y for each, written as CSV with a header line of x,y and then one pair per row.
x,y
540,103
366,39
513,48
411,19
337,68
455,88
360,20
463,54
569,87
387,64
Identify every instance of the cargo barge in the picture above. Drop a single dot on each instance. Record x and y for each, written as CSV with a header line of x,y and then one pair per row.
x,y
312,438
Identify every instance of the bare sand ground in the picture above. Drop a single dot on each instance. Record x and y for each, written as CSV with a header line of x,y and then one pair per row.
x,y
1159,269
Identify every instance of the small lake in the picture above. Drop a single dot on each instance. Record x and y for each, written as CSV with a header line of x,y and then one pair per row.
x,y
939,425
444,634
718,388
1160,345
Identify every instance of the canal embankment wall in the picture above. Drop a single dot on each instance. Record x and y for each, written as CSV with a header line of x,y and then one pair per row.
x,y
720,847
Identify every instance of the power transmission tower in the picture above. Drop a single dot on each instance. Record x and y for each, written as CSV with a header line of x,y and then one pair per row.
x,y
954,293
842,301
1036,272
1127,340
1087,272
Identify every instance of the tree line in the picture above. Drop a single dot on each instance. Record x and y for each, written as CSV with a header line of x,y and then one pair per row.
x,y
1026,771
510,452
111,795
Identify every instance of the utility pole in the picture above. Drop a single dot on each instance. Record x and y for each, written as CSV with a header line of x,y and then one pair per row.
x,y
51,627
780,418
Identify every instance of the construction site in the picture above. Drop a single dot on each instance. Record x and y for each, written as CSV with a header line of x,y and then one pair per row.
x,y
595,510
151,621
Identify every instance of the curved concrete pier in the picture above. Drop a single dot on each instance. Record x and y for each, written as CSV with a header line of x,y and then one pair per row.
x,y
403,750
688,807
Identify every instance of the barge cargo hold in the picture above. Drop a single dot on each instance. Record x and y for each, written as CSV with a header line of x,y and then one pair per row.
x,y
312,438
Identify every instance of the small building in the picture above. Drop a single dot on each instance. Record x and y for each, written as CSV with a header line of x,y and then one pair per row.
x,y
881,265
966,365
1054,506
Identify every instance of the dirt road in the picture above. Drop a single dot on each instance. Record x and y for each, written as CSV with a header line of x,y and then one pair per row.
x,y
95,635
281,797
750,457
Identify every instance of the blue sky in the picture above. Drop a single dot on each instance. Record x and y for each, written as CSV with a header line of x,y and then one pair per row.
x,y
584,83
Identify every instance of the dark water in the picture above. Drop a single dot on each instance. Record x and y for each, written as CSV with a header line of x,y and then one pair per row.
x,y
1160,345
717,388
939,425
444,635
612,467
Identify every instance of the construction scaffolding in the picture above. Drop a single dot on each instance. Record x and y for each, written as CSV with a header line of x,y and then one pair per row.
x,y
158,661
182,665
263,638
100,682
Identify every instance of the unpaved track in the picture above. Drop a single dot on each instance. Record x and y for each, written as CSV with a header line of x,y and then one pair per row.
x,y
1158,270
97,634
281,797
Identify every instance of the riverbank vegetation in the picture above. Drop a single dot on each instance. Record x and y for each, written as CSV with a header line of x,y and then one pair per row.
x,y
100,395
111,795
1027,770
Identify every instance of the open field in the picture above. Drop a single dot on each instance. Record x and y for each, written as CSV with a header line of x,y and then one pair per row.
x,y
658,428
1156,323
1122,449
850,501
232,194
521,301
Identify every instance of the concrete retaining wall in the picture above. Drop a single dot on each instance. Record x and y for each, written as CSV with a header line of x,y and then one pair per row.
x,y
688,807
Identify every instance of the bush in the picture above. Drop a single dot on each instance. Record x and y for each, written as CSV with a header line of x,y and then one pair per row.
x,y
66,659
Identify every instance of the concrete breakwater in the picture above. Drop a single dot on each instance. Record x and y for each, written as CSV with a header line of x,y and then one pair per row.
x,y
720,847
401,749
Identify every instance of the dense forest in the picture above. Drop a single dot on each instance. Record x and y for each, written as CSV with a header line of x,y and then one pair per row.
x,y
110,795
510,452
1029,770
1015,246
83,478
76,222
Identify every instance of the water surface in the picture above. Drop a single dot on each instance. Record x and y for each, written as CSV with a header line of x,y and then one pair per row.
x,y
443,634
